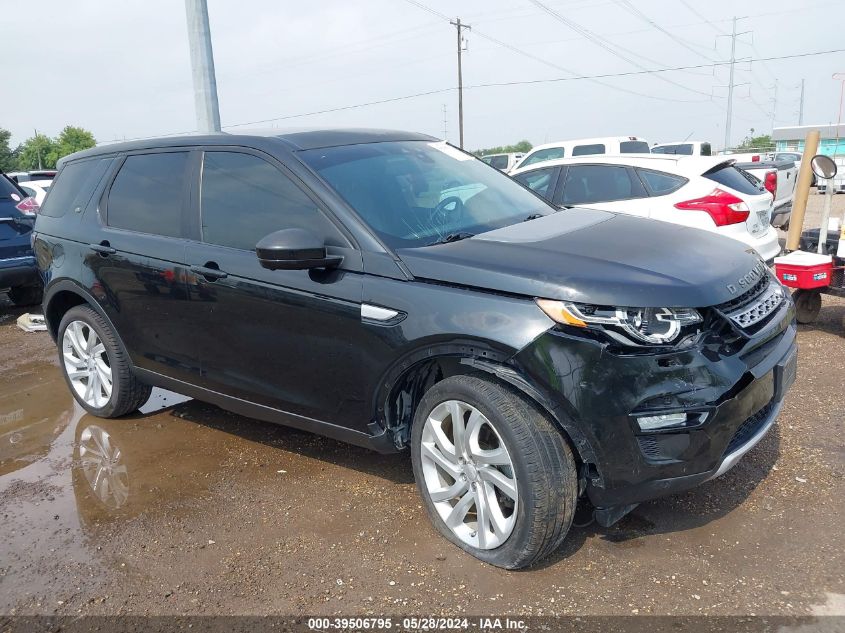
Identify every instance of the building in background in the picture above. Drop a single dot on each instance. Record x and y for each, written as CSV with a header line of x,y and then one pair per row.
x,y
791,139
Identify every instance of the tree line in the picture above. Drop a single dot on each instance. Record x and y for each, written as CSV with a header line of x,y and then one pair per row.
x,y
521,147
41,151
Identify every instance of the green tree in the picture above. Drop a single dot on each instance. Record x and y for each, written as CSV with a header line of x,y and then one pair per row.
x,y
523,146
751,142
34,150
49,150
8,157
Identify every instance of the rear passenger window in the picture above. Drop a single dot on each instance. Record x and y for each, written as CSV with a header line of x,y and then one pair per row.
x,y
586,150
586,184
244,198
634,147
146,196
538,180
499,162
661,183
73,187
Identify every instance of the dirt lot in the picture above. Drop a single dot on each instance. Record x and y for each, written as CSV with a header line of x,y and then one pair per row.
x,y
209,513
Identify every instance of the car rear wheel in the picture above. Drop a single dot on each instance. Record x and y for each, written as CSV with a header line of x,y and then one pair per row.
x,y
95,367
25,295
496,477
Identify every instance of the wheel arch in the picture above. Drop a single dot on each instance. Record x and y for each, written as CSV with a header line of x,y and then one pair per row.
x,y
64,294
405,386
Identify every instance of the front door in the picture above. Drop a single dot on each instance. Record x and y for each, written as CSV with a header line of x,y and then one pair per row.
x,y
288,339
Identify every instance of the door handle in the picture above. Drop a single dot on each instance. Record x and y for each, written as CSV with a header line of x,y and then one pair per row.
x,y
211,274
103,248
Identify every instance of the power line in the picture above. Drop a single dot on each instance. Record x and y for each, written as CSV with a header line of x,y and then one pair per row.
x,y
700,16
626,4
606,45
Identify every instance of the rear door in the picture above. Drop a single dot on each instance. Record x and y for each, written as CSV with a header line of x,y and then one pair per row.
x,y
15,226
611,187
138,260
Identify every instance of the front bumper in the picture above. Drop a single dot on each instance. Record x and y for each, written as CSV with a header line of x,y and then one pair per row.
x,y
737,388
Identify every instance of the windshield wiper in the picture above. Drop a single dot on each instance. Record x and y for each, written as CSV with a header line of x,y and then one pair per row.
x,y
534,216
452,237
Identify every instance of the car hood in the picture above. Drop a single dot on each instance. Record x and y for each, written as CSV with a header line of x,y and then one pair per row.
x,y
598,257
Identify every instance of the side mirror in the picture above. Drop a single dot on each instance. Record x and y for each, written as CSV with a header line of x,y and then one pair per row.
x,y
823,166
294,249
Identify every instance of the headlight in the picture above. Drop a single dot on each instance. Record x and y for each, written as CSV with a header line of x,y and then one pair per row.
x,y
657,326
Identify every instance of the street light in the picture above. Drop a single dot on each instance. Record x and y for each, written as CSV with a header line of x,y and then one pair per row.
x,y
840,77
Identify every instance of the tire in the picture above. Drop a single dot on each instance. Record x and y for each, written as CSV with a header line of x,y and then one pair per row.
x,y
25,295
808,304
539,458
126,394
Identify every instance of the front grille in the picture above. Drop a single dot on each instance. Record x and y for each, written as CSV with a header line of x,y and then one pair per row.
x,y
748,428
754,306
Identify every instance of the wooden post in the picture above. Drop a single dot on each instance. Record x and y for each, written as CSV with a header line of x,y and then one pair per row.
x,y
802,191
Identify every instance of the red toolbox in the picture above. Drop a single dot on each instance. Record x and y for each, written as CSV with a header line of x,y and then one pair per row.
x,y
801,269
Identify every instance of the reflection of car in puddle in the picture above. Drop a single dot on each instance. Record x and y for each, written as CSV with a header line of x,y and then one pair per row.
x,y
101,462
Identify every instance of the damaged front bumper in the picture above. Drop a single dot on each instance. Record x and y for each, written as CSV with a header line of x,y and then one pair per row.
x,y
732,391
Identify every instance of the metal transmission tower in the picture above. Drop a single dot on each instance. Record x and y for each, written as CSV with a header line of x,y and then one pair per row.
x,y
460,27
731,84
202,66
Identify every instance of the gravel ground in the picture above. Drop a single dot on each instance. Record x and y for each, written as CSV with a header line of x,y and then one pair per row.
x,y
219,514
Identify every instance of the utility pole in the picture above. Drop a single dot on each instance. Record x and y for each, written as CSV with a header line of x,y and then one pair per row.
x,y
731,87
38,150
774,104
445,124
202,66
457,23
801,105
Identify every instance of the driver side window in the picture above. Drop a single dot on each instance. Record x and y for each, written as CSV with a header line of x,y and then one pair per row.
x,y
244,198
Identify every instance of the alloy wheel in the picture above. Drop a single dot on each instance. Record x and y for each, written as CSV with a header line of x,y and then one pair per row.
x,y
469,474
87,364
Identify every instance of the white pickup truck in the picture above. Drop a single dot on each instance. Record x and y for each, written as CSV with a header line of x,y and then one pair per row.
x,y
779,178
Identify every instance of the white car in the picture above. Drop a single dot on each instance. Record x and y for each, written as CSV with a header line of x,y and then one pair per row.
x,y
503,162
703,192
585,147
683,148
36,189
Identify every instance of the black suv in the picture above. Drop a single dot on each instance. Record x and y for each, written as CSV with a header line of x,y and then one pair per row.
x,y
389,290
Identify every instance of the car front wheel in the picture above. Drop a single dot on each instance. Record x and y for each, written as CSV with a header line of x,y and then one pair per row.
x,y
95,366
496,477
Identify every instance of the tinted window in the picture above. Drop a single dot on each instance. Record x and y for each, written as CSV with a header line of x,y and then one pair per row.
x,y
735,178
74,187
706,150
146,196
633,147
684,149
586,184
499,162
244,198
586,150
539,180
543,154
416,193
661,183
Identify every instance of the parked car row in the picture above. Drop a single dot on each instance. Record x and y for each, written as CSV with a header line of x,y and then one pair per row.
x,y
18,274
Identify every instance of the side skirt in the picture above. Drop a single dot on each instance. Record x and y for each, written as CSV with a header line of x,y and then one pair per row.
x,y
380,443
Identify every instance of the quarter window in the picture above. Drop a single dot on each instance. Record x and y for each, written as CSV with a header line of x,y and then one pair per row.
x,y
661,183
74,188
146,196
244,198
586,184
586,150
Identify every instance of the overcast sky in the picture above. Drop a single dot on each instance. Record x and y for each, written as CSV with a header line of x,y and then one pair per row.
x,y
121,69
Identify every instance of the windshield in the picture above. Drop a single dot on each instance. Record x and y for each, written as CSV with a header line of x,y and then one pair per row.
x,y
415,193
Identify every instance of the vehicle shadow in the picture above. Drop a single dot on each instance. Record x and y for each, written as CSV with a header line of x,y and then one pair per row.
x,y
684,511
831,319
392,467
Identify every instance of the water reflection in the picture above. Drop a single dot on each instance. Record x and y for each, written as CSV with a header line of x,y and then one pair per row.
x,y
101,462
